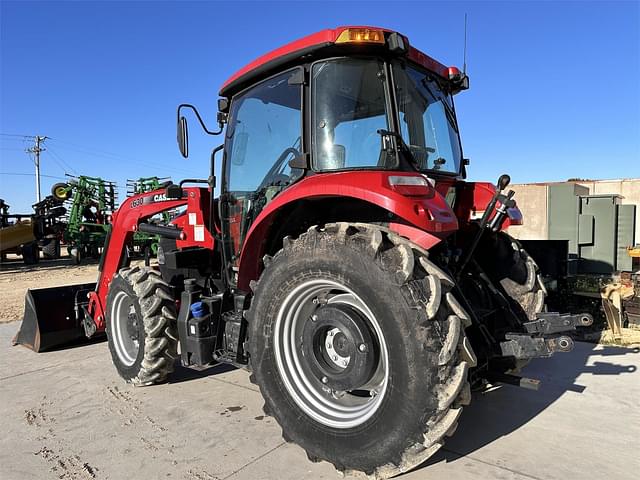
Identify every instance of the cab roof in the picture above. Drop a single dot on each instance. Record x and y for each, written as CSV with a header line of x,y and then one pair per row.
x,y
322,43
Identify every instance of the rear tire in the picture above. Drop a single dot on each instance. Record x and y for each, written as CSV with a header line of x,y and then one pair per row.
x,y
417,381
51,250
141,330
30,253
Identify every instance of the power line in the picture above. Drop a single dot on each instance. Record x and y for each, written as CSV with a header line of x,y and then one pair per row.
x,y
32,175
16,135
75,147
119,185
104,154
57,162
64,165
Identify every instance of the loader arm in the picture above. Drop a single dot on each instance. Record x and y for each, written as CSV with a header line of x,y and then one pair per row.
x,y
59,315
124,223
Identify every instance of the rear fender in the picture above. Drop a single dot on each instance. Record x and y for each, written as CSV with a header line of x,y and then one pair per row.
x,y
425,219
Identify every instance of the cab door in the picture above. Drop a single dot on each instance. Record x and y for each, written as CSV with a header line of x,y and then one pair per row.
x,y
263,134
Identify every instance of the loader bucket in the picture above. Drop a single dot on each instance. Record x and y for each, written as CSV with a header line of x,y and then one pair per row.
x,y
50,317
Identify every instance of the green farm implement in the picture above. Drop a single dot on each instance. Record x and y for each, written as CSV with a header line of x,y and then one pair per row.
x,y
90,200
144,243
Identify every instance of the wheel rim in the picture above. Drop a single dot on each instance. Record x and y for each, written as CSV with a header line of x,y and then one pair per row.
x,y
124,323
309,387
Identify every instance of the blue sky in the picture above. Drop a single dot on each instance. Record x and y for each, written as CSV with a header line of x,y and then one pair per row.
x,y
555,89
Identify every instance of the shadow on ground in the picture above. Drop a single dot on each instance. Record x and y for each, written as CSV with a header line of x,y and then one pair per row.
x,y
494,414
185,374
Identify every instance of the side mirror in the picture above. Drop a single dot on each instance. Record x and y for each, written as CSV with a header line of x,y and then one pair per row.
x,y
183,137
223,105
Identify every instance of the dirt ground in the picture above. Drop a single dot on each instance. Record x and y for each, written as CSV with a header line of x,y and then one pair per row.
x,y
16,278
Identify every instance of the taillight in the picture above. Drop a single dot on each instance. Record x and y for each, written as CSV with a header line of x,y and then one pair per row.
x,y
411,185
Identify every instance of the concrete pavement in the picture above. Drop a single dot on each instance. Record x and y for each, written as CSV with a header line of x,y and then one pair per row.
x,y
66,414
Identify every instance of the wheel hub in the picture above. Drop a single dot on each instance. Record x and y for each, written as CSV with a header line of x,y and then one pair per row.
x,y
132,325
338,348
320,319
126,333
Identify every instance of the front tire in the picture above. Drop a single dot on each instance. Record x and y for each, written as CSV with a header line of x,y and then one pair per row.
x,y
141,331
376,380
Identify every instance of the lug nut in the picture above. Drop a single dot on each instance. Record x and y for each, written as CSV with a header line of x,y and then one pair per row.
x,y
335,358
345,363
314,318
325,379
362,347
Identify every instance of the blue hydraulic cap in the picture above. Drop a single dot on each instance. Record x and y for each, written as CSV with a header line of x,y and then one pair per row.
x,y
198,309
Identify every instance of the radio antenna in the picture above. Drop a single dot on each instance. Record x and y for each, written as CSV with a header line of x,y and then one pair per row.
x,y
464,53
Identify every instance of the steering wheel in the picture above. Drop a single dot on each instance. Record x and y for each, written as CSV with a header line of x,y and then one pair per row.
x,y
275,174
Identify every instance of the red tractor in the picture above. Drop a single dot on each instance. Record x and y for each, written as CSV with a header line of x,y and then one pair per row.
x,y
346,263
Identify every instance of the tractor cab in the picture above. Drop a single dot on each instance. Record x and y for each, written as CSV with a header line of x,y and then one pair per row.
x,y
351,99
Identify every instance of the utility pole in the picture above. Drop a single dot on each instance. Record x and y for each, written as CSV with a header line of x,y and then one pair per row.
x,y
36,149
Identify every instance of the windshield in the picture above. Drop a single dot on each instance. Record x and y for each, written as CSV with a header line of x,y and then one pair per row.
x,y
427,120
349,107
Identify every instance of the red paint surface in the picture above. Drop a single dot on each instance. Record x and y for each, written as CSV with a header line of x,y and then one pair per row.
x,y
125,222
198,200
421,238
330,36
430,214
473,200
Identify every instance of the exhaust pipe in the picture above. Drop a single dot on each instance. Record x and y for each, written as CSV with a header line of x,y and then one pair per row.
x,y
53,316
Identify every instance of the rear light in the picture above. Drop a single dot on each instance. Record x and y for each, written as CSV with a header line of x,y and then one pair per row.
x,y
411,185
459,80
454,73
361,35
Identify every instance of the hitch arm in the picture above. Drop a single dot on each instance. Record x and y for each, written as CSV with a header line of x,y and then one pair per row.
x,y
541,339
523,346
554,322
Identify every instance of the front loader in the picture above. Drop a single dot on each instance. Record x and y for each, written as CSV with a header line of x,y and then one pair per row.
x,y
346,263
